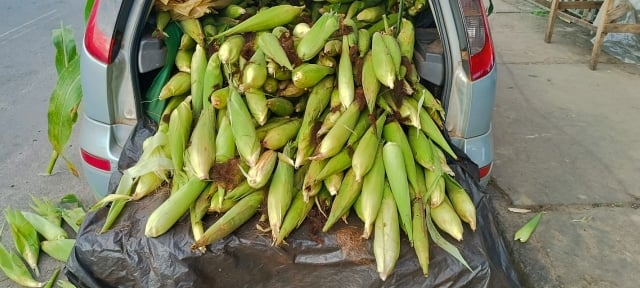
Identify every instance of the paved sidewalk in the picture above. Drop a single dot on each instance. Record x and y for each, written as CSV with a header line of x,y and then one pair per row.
x,y
566,143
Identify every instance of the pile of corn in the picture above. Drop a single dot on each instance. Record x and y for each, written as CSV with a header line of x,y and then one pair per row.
x,y
285,107
40,230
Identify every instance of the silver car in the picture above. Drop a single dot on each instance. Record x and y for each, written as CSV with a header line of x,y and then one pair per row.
x,y
454,55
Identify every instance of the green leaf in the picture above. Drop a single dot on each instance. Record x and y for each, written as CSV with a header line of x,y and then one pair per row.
x,y
490,9
65,46
53,278
87,9
440,241
525,232
63,109
71,199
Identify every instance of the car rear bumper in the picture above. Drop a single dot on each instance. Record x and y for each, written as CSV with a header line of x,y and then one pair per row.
x,y
480,151
98,140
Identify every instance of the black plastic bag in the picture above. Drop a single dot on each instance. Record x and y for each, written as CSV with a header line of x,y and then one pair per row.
x,y
124,257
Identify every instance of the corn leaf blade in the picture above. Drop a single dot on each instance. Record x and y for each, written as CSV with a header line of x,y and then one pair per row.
x,y
440,241
525,231
63,110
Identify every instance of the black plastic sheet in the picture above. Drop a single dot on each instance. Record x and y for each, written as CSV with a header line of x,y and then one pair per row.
x,y
124,257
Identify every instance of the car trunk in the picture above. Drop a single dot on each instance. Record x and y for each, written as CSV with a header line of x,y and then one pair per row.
x,y
430,54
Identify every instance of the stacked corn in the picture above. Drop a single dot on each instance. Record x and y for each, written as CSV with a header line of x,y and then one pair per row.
x,y
292,107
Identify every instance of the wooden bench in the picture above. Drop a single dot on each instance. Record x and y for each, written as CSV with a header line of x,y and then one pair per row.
x,y
563,9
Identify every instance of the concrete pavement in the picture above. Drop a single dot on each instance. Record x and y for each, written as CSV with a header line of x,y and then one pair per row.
x,y
565,144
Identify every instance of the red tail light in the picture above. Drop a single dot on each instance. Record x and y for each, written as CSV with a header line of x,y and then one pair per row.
x,y
95,161
484,171
482,58
99,37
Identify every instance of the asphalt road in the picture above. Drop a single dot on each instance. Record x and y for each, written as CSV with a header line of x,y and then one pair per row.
x,y
27,77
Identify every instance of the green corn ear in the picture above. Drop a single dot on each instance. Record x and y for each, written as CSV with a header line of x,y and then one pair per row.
x,y
183,60
202,152
243,129
429,127
58,249
335,164
295,216
354,8
270,45
300,30
225,143
231,220
270,86
186,42
292,91
371,195
345,76
326,60
394,51
371,14
397,177
48,230
212,78
254,73
272,123
259,175
370,83
313,41
229,52
421,148
383,64
210,31
233,11
435,182
361,127
348,194
265,19
172,209
239,192
362,160
278,137
198,66
281,192
333,183
192,27
317,102
162,20
461,201
380,25
308,75
337,137
420,239
364,42
25,237
406,39
220,97
332,48
12,266
393,132
386,241
311,185
447,220
257,104
330,119
178,84
179,131
280,106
